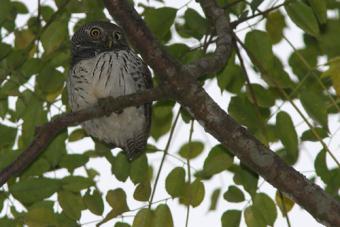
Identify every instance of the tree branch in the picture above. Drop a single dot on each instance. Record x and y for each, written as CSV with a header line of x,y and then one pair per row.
x,y
142,39
214,63
217,122
47,132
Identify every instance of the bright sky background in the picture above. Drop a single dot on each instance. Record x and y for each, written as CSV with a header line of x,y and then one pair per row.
x,y
200,216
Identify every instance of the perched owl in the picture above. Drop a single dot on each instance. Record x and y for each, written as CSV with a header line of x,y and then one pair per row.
x,y
103,65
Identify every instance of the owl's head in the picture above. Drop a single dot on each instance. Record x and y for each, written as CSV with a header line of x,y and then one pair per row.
x,y
96,37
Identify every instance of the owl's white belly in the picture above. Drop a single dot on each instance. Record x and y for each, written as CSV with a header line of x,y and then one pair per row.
x,y
108,74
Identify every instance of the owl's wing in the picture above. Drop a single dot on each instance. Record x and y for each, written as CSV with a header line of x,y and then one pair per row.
x,y
147,106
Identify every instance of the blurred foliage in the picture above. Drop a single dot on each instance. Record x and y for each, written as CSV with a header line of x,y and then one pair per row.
x,y
34,64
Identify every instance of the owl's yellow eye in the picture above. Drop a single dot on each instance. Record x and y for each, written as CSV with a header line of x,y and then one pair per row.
x,y
117,35
95,33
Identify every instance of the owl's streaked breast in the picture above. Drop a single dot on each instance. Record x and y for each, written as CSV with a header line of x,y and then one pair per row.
x,y
114,73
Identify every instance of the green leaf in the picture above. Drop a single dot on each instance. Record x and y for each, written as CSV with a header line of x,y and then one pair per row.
x,y
334,73
286,132
257,38
3,196
20,7
176,50
65,221
34,189
245,177
56,150
40,216
192,55
23,38
16,58
121,167
46,12
159,21
76,135
299,58
193,194
71,203
76,183
162,216
37,168
269,65
234,195
218,160
264,97
161,119
214,199
231,218
5,49
8,222
142,191
327,41
139,169
308,135
9,88
316,106
255,4
117,200
7,135
122,224
243,112
175,182
321,168
191,150
284,203
94,202
302,15
32,66
144,218
262,212
7,156
55,34
73,161
231,78
50,81
195,25
320,10
274,25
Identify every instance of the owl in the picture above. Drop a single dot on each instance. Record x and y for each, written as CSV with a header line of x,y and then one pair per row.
x,y
103,65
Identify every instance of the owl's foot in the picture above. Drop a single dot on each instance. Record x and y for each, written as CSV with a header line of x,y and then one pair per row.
x,y
104,104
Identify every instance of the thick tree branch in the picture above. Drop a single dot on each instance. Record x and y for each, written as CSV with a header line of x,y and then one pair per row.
x,y
214,63
47,132
218,123
142,39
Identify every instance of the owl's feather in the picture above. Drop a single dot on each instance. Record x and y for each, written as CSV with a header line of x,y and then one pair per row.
x,y
114,72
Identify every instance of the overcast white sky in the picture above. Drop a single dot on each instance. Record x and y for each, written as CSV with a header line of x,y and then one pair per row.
x,y
200,215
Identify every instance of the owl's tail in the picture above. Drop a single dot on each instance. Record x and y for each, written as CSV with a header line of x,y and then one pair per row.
x,y
135,146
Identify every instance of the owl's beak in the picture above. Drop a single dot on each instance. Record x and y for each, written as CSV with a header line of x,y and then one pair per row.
x,y
109,42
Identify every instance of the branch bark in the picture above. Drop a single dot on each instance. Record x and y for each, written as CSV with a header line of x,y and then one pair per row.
x,y
214,120
220,22
47,132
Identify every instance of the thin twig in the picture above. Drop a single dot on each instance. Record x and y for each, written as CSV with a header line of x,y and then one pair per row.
x,y
188,168
166,149
235,23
